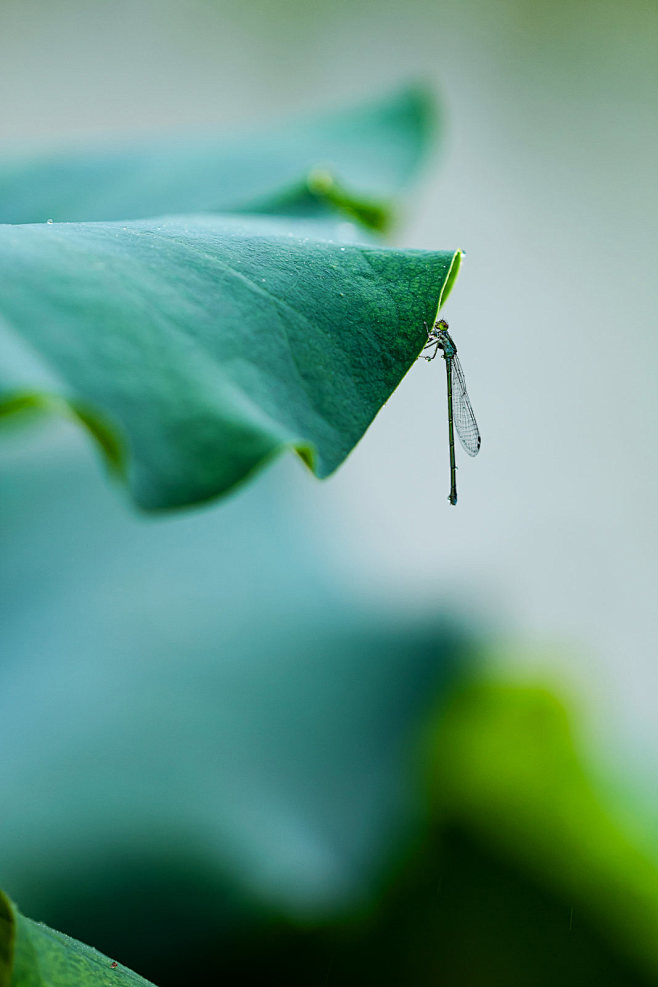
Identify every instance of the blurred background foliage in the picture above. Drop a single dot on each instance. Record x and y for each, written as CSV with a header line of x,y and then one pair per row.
x,y
339,732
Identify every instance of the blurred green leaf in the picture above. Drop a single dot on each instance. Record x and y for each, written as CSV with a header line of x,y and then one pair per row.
x,y
210,344
32,955
356,160
527,873
201,725
508,768
211,762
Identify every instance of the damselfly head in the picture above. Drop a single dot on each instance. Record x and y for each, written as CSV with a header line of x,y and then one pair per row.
x,y
437,332
443,339
439,337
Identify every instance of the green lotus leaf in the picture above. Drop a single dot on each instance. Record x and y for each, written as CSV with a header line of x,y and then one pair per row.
x,y
197,348
32,955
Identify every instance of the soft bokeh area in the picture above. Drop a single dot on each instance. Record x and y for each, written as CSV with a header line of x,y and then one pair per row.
x,y
340,732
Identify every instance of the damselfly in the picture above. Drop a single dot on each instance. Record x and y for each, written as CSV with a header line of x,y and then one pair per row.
x,y
459,406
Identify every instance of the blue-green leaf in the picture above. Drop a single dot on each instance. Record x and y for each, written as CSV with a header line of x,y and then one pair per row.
x,y
32,955
356,160
197,348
